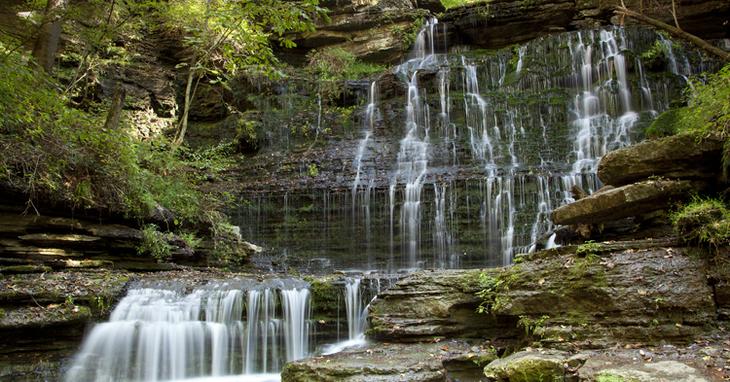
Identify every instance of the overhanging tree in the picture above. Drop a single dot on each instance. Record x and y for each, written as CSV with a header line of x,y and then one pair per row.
x,y
225,37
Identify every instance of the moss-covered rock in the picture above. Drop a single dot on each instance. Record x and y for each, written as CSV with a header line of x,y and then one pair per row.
x,y
532,366
682,156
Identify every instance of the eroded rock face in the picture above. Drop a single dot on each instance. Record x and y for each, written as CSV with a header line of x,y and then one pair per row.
x,y
494,24
616,203
373,30
680,156
630,295
433,304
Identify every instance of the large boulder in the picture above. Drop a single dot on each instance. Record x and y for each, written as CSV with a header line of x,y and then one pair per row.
x,y
681,156
616,203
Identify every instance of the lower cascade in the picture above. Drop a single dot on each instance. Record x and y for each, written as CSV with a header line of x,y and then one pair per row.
x,y
221,329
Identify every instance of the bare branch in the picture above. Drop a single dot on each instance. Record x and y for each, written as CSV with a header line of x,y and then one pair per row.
x,y
676,32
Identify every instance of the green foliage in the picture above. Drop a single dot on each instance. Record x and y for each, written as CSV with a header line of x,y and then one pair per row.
x,y
312,170
458,3
57,153
532,324
325,296
607,377
409,34
588,248
155,244
489,286
582,264
330,67
703,222
227,242
236,34
101,305
190,239
708,111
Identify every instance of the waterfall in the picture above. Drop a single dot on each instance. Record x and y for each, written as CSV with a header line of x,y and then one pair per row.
x,y
368,127
157,334
356,314
484,147
412,159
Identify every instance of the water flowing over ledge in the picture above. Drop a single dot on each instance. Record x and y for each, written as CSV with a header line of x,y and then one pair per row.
x,y
460,163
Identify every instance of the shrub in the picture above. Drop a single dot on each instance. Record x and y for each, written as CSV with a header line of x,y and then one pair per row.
x,y
154,243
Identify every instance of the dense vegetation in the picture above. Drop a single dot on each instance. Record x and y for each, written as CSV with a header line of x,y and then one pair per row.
x,y
66,144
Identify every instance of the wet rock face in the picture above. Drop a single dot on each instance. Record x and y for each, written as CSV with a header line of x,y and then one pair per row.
x,y
616,203
681,156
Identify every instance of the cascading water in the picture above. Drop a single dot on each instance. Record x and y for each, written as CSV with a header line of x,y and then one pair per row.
x,y
485,145
357,296
356,313
158,334
412,160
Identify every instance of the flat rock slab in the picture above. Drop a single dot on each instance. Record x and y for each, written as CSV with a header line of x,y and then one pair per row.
x,y
617,203
44,316
680,156
665,364
653,372
423,362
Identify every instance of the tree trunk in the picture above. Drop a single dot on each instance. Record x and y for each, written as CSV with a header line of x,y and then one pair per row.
x,y
676,32
115,110
46,45
180,136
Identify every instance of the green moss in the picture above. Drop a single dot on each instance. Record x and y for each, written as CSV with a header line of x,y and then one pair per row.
x,y
609,377
664,125
326,296
27,268
458,3
705,222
